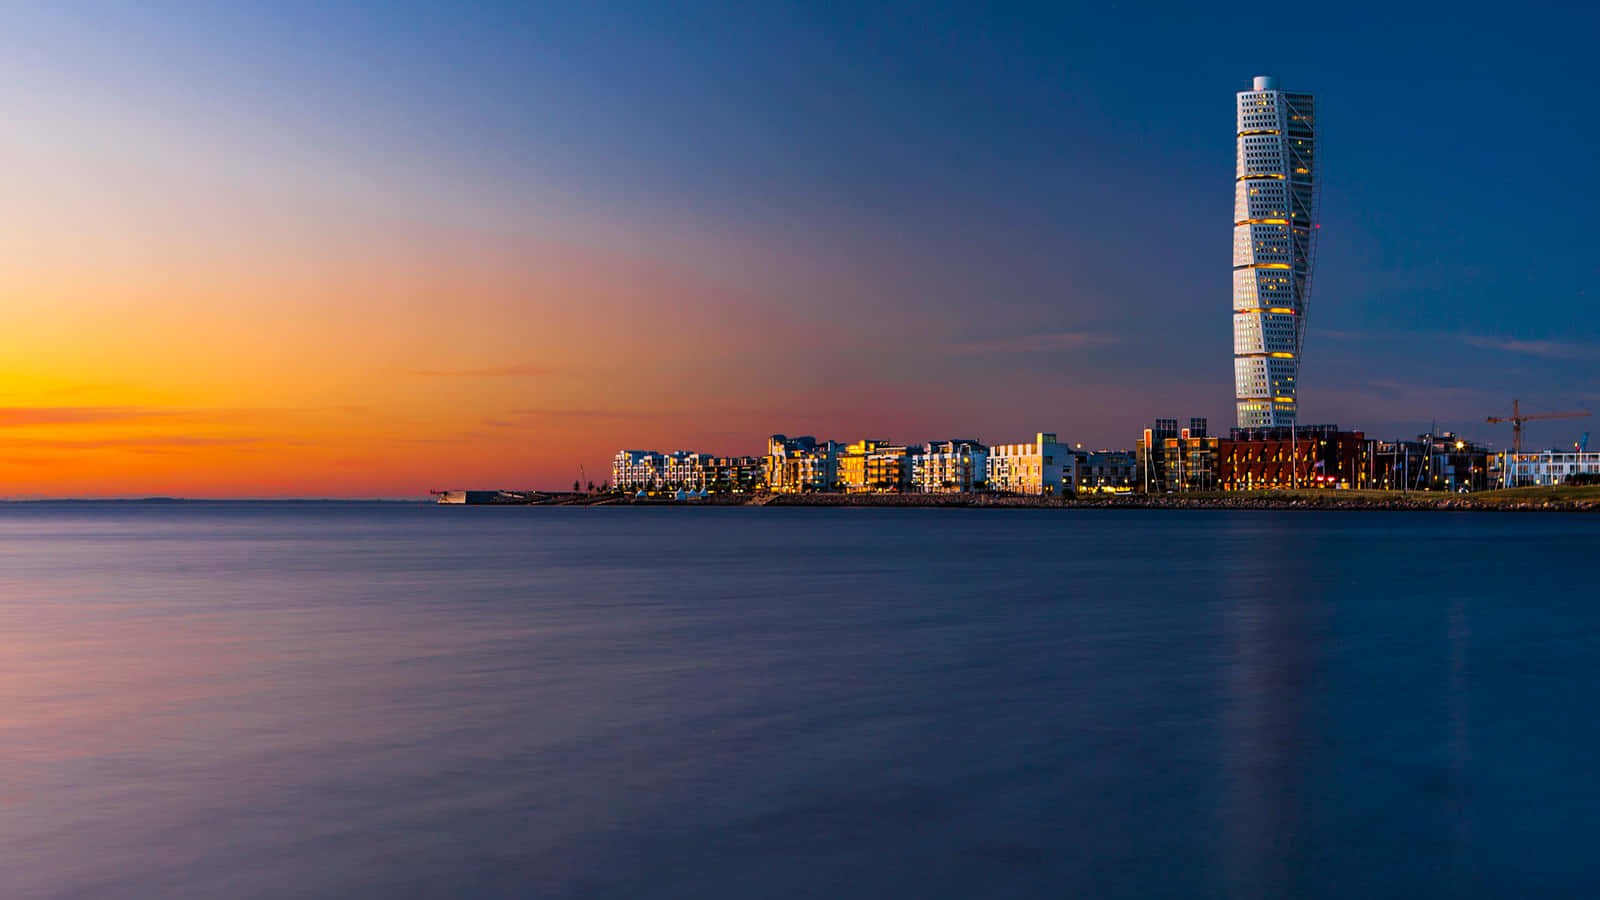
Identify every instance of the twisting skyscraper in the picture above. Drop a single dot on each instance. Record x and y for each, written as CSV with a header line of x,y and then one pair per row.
x,y
1274,241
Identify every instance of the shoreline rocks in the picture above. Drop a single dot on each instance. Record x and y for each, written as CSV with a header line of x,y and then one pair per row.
x,y
1329,501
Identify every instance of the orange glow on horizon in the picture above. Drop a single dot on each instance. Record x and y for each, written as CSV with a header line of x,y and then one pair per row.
x,y
383,372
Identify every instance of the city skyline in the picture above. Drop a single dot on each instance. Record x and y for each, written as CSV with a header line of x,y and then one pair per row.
x,y
352,252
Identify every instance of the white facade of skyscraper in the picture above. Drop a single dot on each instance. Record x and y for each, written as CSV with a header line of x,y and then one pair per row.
x,y
1274,242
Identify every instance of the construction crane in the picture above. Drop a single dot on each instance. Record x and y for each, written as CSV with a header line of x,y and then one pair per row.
x,y
1517,418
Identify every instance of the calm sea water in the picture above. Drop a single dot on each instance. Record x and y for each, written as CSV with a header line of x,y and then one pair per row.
x,y
333,700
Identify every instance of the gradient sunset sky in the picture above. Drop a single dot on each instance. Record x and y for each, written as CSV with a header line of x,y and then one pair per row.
x,y
296,249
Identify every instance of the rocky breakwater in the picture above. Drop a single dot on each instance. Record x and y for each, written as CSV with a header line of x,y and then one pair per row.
x,y
1320,500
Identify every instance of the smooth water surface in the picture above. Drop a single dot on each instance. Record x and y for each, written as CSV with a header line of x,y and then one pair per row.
x,y
333,700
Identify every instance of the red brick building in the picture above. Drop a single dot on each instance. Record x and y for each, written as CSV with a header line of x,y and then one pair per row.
x,y
1253,459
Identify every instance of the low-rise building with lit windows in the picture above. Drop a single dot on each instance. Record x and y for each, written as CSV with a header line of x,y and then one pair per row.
x,y
737,474
1433,462
869,466
650,470
1548,467
955,466
801,464
1174,460
1308,456
686,469
1110,471
637,470
1044,467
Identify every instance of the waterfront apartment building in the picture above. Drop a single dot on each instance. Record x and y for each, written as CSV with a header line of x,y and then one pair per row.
x,y
1170,459
637,470
736,474
1433,462
950,467
801,464
686,469
879,467
1189,462
1044,467
1176,464
1308,456
1548,467
1108,471
1276,192
649,470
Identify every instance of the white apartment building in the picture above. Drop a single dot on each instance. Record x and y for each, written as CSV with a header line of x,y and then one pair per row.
x,y
1045,466
687,469
1547,466
1276,193
950,467
650,470
638,469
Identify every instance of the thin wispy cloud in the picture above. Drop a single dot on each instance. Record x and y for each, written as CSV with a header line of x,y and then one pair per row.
x,y
1394,387
516,371
27,416
528,418
152,443
33,416
1545,349
1539,348
1037,343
